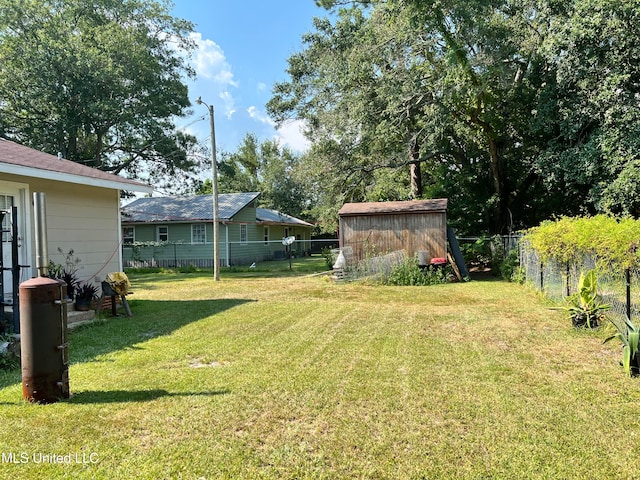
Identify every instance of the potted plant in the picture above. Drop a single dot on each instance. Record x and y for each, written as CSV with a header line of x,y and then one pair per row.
x,y
72,282
85,294
584,309
629,335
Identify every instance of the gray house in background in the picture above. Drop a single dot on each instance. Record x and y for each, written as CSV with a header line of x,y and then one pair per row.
x,y
178,231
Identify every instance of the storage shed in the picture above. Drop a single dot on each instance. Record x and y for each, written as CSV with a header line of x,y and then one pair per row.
x,y
375,228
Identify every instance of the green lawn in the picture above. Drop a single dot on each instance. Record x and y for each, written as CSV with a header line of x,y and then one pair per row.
x,y
294,376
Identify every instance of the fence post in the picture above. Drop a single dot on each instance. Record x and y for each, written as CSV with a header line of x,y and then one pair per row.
x,y
541,276
627,277
568,284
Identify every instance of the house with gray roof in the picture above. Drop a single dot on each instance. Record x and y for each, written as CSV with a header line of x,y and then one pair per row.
x,y
178,231
82,212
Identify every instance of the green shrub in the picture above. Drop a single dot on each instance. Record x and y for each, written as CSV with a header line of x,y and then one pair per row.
x,y
611,240
8,361
510,267
409,273
187,269
328,257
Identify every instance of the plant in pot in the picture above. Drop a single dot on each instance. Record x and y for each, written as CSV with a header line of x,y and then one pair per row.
x,y
85,294
72,282
583,307
629,335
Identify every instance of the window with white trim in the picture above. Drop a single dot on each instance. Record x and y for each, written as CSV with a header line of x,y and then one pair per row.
x,y
266,235
198,233
243,233
162,233
128,235
6,202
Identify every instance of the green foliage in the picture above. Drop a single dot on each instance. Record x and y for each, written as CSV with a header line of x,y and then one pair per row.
x,y
68,272
328,257
584,309
613,242
8,360
486,251
515,111
100,82
510,267
409,273
629,335
188,269
267,168
86,291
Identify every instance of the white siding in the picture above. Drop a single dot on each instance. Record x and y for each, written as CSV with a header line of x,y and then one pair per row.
x,y
81,218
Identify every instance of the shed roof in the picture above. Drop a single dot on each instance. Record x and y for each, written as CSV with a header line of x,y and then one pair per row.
x,y
434,205
17,159
186,209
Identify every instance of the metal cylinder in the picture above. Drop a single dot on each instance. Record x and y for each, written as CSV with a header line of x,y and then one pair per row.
x,y
40,213
43,340
424,258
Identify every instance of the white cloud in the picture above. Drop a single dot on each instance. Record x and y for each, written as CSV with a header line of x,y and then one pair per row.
x,y
229,104
259,116
262,87
290,134
210,62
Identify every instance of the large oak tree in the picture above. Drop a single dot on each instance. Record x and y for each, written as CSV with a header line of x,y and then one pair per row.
x,y
515,110
99,81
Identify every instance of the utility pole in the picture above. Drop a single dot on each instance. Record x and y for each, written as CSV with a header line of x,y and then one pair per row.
x,y
214,188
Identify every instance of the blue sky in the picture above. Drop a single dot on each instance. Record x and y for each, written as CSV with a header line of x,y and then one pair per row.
x,y
242,50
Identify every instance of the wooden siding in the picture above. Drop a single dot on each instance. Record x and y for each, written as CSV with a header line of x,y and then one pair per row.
x,y
371,235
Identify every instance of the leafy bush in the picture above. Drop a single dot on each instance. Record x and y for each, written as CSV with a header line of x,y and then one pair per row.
x,y
409,273
612,241
477,253
8,360
328,257
510,267
188,269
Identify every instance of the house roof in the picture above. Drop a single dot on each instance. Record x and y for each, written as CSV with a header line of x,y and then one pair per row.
x,y
274,217
185,209
17,159
435,205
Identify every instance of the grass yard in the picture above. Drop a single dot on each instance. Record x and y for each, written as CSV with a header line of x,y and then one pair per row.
x,y
262,376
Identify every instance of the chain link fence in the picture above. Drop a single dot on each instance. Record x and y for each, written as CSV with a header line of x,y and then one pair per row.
x,y
619,288
377,267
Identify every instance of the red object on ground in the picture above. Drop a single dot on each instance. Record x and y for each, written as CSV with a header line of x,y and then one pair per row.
x,y
438,261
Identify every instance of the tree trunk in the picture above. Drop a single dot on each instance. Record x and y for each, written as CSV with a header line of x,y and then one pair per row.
x,y
415,171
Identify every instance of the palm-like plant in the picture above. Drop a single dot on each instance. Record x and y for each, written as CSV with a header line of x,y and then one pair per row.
x,y
584,309
629,335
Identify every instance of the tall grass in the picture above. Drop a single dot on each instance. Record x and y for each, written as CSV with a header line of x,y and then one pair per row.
x,y
299,377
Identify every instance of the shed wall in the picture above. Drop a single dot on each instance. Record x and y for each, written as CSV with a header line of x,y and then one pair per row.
x,y
370,235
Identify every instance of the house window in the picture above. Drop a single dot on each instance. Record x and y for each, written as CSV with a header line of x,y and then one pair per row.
x,y
162,233
198,233
128,235
266,235
243,233
6,202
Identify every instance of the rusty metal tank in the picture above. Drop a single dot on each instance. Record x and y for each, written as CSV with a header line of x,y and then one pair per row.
x,y
43,340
